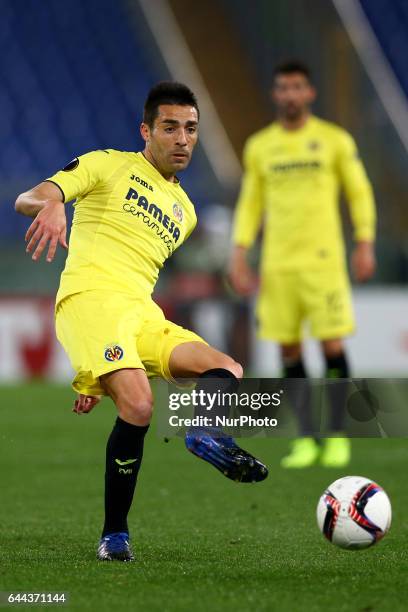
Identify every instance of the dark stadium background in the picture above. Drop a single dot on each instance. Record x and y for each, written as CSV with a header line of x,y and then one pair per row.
x,y
73,78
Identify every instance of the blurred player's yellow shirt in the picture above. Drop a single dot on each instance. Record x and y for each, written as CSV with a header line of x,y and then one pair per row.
x,y
291,184
128,220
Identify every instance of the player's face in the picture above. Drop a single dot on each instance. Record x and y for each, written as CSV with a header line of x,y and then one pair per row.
x,y
173,137
293,95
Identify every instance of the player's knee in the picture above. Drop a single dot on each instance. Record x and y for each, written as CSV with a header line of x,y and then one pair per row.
x,y
229,364
137,409
237,370
291,351
332,348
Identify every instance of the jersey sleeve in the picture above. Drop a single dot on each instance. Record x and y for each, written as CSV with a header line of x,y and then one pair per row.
x,y
82,174
249,210
357,188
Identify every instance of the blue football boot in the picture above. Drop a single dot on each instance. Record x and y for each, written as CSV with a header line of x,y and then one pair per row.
x,y
115,547
224,454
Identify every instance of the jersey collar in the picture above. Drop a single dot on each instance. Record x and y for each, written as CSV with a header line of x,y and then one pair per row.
x,y
309,123
141,156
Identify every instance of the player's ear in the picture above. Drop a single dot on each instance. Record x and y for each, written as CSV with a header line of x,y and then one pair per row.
x,y
145,131
312,95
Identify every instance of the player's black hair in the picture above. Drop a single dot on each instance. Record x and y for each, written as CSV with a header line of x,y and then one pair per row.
x,y
291,67
167,92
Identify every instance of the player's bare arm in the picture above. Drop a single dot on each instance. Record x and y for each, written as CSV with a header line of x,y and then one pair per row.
x,y
242,277
45,203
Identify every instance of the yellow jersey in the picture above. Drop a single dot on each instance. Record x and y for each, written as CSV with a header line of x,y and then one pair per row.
x,y
128,220
291,184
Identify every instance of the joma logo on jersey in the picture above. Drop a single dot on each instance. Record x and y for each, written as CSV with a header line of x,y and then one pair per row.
x,y
141,181
154,211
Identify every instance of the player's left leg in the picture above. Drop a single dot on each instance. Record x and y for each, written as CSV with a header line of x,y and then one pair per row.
x,y
192,359
173,353
305,450
336,450
215,372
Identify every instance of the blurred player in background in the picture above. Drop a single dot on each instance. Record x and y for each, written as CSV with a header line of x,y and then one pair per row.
x,y
131,213
293,171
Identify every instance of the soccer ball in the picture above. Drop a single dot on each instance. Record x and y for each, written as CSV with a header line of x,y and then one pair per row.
x,y
354,512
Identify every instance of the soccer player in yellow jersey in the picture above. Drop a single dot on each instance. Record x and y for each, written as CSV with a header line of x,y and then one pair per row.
x,y
293,172
131,214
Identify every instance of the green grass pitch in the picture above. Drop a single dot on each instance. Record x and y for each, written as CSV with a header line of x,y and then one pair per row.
x,y
202,542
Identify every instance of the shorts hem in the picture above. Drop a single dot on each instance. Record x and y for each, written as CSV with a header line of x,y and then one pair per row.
x,y
333,335
165,359
116,366
279,339
320,336
97,388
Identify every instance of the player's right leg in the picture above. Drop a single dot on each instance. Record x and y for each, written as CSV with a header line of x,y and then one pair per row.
x,y
280,314
131,394
98,332
304,449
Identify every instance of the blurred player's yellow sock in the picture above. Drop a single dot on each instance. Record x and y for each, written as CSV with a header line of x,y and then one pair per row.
x,y
336,452
304,453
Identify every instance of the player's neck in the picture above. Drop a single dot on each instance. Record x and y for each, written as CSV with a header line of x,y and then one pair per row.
x,y
294,124
150,158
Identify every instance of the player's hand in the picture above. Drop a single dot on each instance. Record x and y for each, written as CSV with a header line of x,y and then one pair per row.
x,y
50,225
242,278
85,403
363,261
